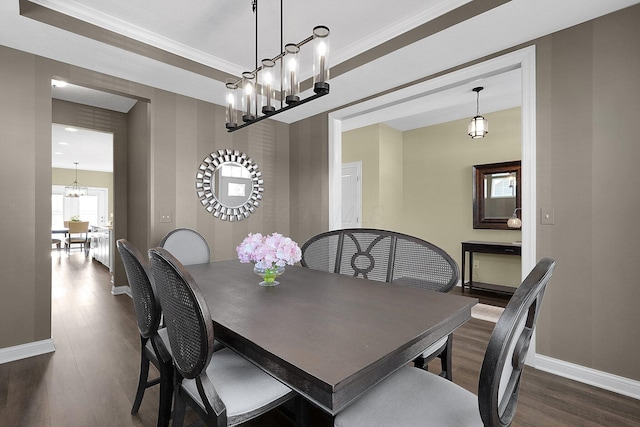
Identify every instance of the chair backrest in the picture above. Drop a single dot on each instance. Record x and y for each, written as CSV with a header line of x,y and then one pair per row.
x,y
187,245
186,315
76,227
504,359
145,302
382,255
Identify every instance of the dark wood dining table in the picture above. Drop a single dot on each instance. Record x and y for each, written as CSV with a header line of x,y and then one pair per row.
x,y
328,336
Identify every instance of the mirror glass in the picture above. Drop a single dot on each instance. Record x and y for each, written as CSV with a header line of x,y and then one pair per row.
x,y
229,185
496,194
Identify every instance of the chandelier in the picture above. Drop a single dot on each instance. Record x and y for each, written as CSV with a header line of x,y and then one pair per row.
x,y
478,126
274,86
75,190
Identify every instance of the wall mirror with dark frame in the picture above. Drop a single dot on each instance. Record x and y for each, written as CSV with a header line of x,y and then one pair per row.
x,y
496,194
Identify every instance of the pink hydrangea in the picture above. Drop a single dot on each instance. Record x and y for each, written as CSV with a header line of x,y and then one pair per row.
x,y
270,251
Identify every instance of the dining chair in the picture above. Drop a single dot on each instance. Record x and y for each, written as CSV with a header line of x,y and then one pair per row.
x,y
222,387
153,339
78,235
390,257
187,245
415,397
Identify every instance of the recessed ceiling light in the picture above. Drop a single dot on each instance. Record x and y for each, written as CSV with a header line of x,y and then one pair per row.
x,y
58,83
63,143
70,129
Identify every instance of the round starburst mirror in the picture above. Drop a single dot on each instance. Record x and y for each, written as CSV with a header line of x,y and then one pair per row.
x,y
229,185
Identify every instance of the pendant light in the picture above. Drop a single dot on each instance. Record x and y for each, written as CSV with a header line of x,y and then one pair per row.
x,y
75,190
478,126
262,87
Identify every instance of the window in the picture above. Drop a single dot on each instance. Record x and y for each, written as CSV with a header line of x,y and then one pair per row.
x,y
93,207
502,185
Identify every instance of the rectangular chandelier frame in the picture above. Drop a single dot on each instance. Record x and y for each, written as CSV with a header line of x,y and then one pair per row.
x,y
289,84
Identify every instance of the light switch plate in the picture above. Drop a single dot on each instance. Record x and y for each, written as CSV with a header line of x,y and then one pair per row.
x,y
546,216
165,217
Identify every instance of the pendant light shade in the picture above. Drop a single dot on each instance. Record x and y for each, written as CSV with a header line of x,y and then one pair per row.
x,y
75,190
478,126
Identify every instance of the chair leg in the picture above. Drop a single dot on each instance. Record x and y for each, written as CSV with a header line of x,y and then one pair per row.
x,y
418,362
302,412
445,359
142,381
166,393
179,405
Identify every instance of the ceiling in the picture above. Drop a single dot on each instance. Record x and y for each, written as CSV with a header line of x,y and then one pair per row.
x,y
92,150
375,46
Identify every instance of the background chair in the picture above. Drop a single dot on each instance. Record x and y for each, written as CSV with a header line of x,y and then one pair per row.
x,y
224,388
78,235
412,397
154,343
187,245
389,257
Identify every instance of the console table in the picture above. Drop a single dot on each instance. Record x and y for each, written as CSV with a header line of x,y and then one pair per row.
x,y
501,248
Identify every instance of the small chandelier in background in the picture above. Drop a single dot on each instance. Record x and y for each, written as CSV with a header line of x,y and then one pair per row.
x,y
259,98
478,126
75,190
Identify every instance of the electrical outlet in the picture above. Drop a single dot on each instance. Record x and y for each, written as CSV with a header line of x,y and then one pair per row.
x,y
547,216
476,263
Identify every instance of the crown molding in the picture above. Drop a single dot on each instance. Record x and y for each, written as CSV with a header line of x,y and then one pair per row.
x,y
126,29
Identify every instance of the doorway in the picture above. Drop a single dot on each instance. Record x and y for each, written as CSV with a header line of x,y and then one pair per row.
x,y
371,111
352,195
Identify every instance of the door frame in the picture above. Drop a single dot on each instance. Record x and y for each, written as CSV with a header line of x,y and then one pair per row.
x,y
522,59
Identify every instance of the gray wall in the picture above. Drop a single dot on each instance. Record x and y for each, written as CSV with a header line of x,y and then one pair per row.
x,y
588,100
166,140
587,114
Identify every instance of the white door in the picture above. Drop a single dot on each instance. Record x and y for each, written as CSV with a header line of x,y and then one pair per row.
x,y
351,195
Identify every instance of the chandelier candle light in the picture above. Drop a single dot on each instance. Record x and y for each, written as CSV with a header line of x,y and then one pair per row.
x,y
270,254
259,86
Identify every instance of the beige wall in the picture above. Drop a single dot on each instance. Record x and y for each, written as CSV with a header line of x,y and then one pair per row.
x,y
421,181
87,179
379,148
587,104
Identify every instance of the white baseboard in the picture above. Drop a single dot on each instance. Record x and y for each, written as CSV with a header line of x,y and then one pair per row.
x,y
120,290
23,351
604,380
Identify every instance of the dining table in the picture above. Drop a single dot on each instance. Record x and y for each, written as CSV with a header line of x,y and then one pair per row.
x,y
328,336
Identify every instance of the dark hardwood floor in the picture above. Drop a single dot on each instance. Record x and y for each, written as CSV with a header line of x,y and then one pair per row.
x,y
484,297
91,378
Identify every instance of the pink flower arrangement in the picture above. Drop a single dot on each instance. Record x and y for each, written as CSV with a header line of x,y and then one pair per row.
x,y
270,251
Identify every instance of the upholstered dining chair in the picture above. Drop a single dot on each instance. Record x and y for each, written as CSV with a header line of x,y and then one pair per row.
x,y
154,341
391,257
78,235
222,387
414,397
187,245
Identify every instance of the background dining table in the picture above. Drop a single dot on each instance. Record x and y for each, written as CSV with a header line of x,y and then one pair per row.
x,y
328,336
